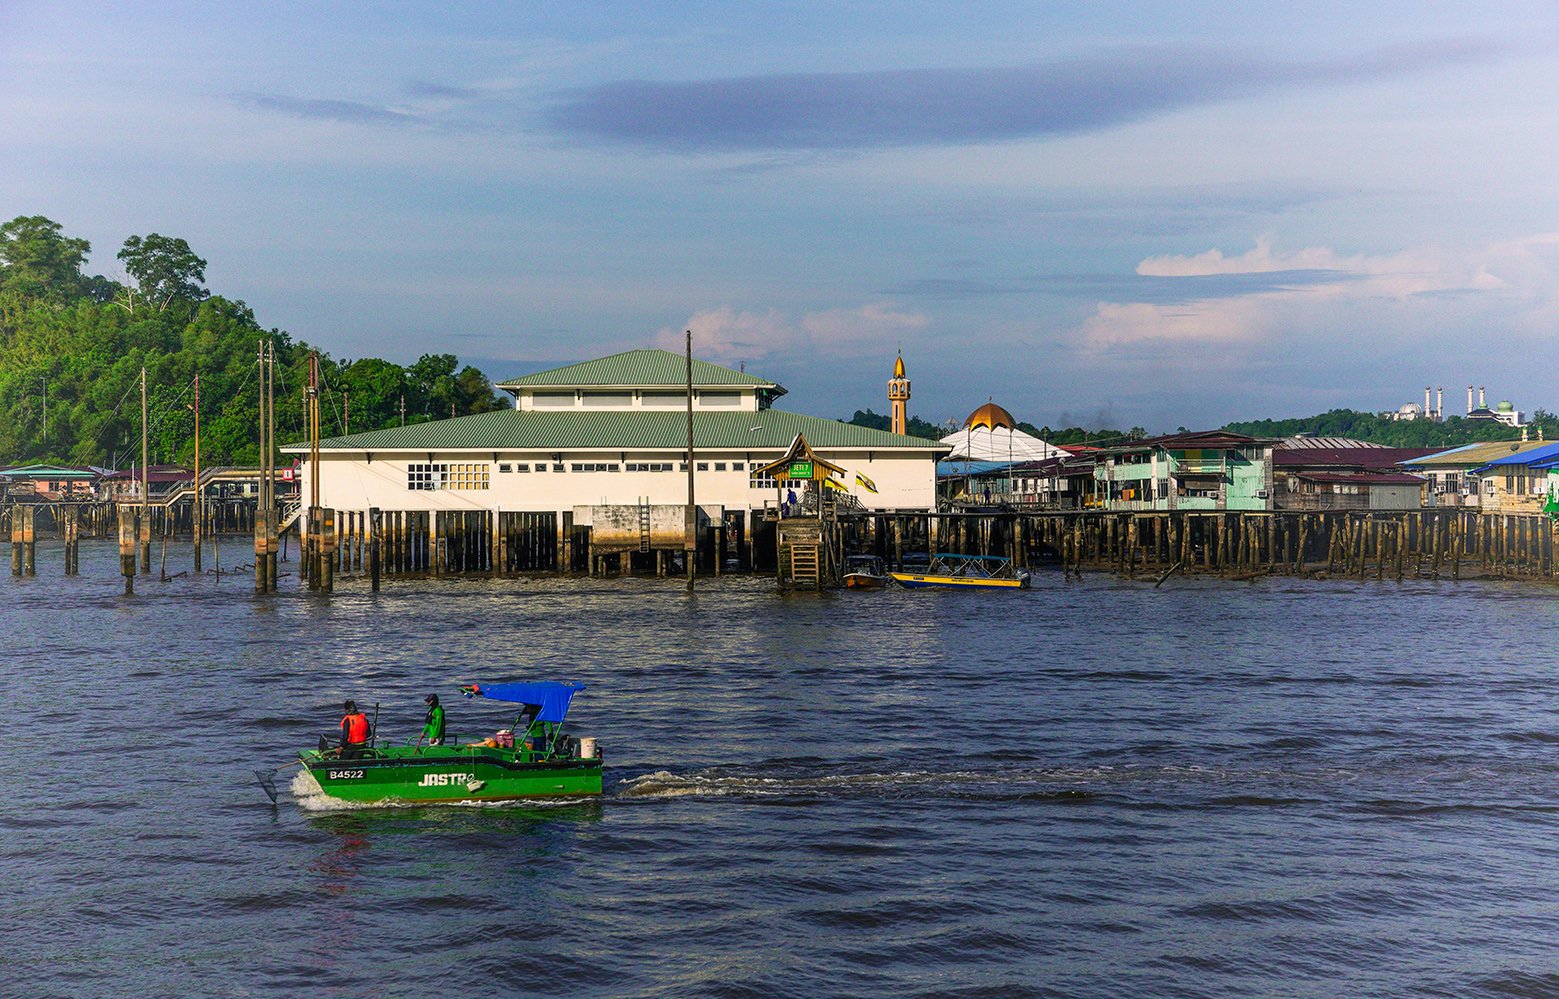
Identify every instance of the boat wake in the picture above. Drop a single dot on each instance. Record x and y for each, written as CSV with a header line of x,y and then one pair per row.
x,y
983,785
1151,785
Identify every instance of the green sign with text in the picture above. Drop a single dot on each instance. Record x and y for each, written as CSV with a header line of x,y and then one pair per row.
x,y
800,470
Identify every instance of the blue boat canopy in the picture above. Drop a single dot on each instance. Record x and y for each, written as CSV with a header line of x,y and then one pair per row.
x,y
550,696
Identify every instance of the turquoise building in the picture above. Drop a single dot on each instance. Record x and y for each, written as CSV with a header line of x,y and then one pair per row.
x,y
1206,470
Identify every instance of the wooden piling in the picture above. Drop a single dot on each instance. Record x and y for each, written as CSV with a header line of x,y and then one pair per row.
x,y
127,542
29,542
16,540
326,550
375,528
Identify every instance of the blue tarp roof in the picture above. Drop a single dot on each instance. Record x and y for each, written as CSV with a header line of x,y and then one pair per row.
x,y
552,697
958,469
1538,457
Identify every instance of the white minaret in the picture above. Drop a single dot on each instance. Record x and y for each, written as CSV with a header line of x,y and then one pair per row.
x,y
1439,403
1481,403
1428,413
1469,399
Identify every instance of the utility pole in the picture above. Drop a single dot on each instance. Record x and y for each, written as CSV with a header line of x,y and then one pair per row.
x,y
262,502
346,413
145,533
690,543
272,521
403,409
45,380
200,505
313,554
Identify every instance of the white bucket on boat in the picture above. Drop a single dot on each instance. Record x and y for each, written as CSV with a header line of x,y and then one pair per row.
x,y
587,748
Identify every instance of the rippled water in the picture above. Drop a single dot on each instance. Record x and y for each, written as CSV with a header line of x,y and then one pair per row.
x,y
1095,788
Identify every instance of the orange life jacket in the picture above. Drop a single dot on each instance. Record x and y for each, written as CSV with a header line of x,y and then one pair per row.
x,y
356,727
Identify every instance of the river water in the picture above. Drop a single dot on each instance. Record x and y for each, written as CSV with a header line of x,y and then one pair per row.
x,y
1090,789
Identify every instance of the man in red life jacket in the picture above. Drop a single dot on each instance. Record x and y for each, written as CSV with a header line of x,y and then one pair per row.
x,y
354,732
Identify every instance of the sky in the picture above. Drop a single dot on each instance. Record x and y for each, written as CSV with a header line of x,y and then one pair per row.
x,y
1150,214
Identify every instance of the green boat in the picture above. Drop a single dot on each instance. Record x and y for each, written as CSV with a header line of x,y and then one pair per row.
x,y
540,763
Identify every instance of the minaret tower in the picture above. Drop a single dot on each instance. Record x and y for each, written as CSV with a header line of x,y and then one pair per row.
x,y
898,398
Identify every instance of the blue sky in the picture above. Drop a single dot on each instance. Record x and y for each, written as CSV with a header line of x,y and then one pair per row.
x,y
1151,214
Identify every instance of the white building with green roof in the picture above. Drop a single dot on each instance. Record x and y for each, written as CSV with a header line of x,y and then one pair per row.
x,y
612,432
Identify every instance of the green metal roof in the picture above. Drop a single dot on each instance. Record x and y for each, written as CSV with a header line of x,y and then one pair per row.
x,y
517,430
640,367
47,472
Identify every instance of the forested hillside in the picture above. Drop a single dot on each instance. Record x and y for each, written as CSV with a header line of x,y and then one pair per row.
x,y
1454,432
79,342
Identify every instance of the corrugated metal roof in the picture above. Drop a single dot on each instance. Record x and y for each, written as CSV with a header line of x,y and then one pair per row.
x,y
47,472
1213,439
516,430
1364,478
1300,441
1540,455
1472,455
640,367
1373,456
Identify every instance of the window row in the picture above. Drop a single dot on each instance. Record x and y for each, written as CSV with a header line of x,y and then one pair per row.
x,y
509,467
447,475
475,475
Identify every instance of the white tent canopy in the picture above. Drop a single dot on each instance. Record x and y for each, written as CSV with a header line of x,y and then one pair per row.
x,y
1000,444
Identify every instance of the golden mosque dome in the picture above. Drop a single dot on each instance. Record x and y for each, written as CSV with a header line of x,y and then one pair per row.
x,y
898,367
990,416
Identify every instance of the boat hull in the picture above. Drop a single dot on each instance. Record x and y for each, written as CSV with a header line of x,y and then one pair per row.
x,y
917,581
451,774
862,581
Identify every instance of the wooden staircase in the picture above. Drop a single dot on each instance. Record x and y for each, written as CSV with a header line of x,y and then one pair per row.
x,y
800,556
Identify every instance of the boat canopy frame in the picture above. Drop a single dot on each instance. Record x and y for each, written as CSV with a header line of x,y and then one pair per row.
x,y
955,564
549,698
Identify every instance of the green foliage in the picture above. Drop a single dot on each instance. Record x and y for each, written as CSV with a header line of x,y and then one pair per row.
x,y
37,261
1454,432
164,268
84,341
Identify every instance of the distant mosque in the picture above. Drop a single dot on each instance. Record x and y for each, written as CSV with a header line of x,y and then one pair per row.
x,y
991,433
1505,412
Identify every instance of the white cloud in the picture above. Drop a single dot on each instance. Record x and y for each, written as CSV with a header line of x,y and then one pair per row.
x,y
1210,320
730,334
727,333
868,325
1522,273
1258,260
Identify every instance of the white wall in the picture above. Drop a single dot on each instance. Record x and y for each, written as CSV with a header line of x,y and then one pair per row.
x,y
350,482
727,398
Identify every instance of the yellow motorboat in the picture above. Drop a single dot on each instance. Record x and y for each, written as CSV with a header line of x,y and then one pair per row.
x,y
991,572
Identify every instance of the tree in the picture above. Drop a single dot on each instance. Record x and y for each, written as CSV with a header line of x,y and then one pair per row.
x,y
38,261
476,392
876,421
867,418
164,269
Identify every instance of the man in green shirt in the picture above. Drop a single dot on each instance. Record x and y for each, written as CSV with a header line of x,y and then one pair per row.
x,y
433,723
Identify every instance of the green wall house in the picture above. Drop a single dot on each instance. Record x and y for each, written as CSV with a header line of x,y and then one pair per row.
x,y
1207,470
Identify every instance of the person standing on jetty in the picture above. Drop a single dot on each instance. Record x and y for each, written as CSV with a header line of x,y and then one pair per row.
x,y
433,723
354,731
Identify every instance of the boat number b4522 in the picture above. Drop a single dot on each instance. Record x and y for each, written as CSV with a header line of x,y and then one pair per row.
x,y
346,775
